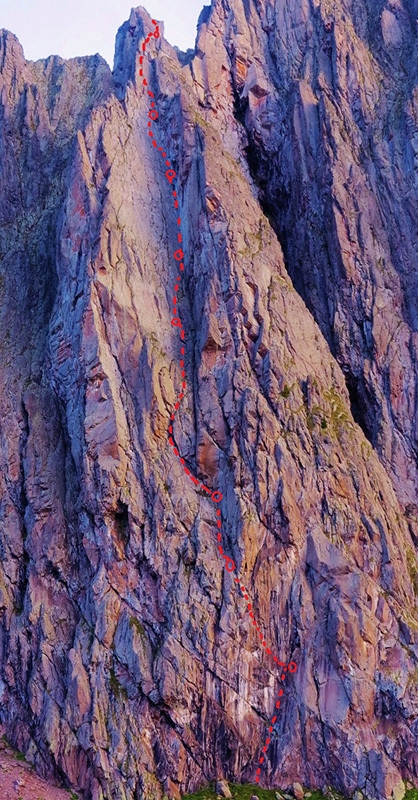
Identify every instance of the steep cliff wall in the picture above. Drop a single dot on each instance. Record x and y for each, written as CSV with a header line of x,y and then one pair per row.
x,y
128,664
328,93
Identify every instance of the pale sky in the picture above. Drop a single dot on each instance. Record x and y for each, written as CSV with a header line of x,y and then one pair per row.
x,y
83,27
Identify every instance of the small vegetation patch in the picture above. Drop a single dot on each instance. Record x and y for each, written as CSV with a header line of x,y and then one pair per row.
x,y
117,689
135,623
412,565
246,791
340,418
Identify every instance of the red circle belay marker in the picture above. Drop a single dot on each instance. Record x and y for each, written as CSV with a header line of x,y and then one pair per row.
x,y
215,496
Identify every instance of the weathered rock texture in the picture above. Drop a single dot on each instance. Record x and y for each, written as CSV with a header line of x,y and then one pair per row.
x,y
127,664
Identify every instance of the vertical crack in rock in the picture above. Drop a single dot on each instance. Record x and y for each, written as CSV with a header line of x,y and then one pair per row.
x,y
328,99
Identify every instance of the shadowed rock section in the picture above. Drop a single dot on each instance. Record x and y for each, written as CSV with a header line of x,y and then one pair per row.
x,y
127,665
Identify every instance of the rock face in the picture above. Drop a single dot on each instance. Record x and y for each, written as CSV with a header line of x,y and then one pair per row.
x,y
128,667
329,98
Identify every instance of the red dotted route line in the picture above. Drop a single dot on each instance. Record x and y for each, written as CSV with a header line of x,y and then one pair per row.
x,y
215,496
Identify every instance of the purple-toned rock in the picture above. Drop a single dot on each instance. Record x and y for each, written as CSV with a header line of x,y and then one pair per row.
x,y
127,664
